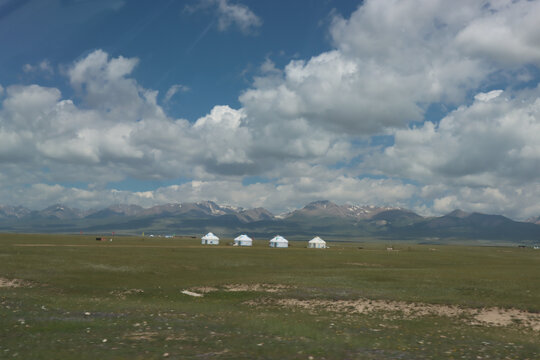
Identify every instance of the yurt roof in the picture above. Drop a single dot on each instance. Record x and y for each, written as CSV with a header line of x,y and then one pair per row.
x,y
318,240
243,237
279,239
210,236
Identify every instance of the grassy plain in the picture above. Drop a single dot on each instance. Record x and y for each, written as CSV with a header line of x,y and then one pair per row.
x,y
71,297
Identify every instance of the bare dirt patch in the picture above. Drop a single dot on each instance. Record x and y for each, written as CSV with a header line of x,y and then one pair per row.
x,y
270,288
506,317
405,310
205,289
365,306
12,283
141,336
122,294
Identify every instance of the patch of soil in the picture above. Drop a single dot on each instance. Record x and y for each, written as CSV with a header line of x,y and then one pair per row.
x,y
205,289
12,283
405,310
141,335
270,288
505,317
123,293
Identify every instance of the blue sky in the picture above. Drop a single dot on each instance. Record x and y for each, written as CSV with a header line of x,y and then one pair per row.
x,y
420,104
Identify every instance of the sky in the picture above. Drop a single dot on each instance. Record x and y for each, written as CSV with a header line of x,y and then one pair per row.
x,y
429,105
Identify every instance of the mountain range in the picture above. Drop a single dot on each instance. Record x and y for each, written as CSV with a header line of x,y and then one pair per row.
x,y
323,218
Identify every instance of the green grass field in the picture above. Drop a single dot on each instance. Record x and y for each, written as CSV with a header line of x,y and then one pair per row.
x,y
71,297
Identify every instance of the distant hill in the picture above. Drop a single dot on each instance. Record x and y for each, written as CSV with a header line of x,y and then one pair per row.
x,y
120,210
534,220
257,214
327,209
13,212
323,218
458,224
397,217
203,208
58,212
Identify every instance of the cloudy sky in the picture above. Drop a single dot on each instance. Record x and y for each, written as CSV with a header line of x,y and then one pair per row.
x,y
431,105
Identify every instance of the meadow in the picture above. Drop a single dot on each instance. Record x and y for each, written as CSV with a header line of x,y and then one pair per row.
x,y
72,297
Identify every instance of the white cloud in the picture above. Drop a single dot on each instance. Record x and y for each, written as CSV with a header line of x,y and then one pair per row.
x,y
104,85
60,141
229,14
26,107
392,60
269,67
486,143
44,66
516,202
96,67
288,193
481,154
173,90
237,14
120,131
488,96
363,88
507,34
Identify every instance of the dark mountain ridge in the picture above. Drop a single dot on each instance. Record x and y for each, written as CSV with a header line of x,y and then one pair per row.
x,y
323,218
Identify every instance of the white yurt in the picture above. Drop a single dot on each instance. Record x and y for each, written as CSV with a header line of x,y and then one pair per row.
x,y
210,239
243,240
317,243
279,242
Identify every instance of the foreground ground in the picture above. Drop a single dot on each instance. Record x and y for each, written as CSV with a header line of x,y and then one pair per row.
x,y
67,297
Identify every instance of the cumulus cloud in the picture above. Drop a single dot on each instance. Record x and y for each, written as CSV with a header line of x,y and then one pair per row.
x,y
104,85
119,131
392,60
517,202
507,34
491,141
485,156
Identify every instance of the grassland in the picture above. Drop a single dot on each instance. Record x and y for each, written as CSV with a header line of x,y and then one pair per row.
x,y
71,297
